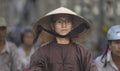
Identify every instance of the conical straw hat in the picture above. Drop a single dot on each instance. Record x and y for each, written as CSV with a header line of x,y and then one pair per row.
x,y
46,21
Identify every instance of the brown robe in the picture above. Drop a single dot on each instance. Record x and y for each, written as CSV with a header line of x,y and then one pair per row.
x,y
62,57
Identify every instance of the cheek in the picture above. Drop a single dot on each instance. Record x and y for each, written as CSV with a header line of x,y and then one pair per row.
x,y
25,40
70,27
57,27
114,48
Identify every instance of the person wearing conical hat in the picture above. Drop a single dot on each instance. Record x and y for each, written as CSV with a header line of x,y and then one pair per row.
x,y
8,50
61,29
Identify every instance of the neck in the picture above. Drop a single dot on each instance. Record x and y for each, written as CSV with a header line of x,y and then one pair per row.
x,y
27,49
62,40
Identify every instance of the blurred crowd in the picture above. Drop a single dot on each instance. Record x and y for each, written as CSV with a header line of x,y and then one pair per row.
x,y
17,37
14,55
17,47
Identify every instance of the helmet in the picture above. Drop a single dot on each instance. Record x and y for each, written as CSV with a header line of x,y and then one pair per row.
x,y
114,33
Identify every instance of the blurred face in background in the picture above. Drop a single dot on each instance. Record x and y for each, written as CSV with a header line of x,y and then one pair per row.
x,y
3,32
115,47
62,24
28,38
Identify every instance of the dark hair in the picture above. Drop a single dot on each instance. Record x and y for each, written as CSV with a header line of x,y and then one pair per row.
x,y
54,19
23,34
3,27
105,54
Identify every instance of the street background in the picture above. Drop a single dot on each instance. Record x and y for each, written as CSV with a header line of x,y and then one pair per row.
x,y
102,14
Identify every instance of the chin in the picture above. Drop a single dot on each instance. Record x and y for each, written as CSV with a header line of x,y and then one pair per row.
x,y
63,34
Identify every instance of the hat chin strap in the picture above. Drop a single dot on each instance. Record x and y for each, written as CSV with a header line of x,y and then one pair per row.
x,y
78,30
54,33
39,30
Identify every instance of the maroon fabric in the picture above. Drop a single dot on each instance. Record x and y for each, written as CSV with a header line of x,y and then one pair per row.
x,y
62,57
26,70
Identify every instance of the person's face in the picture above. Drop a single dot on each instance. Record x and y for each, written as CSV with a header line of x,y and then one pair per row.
x,y
115,47
28,38
63,24
3,32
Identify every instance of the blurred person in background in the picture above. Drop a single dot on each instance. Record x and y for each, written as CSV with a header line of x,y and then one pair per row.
x,y
8,51
14,33
61,29
110,59
26,49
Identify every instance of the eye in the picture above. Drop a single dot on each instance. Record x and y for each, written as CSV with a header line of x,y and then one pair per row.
x,y
59,21
69,22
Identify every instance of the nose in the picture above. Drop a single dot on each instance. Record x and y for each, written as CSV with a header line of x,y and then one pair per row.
x,y
64,25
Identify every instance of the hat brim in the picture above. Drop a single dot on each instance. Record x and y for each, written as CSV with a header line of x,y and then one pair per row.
x,y
46,22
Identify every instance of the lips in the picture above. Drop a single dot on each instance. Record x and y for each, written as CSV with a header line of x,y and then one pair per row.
x,y
64,30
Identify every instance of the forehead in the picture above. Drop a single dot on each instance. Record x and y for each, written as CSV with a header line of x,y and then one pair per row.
x,y
62,16
115,41
28,33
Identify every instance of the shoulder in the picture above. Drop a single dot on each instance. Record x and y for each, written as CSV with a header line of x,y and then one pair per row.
x,y
98,61
44,44
42,47
82,48
11,46
81,51
41,50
